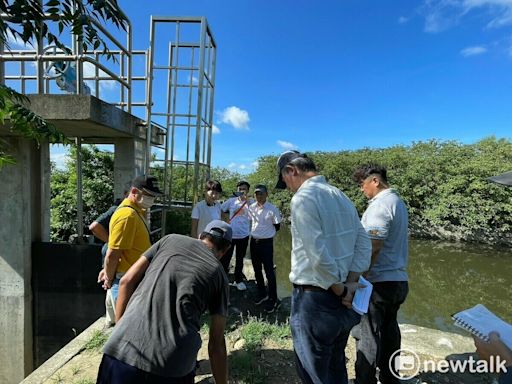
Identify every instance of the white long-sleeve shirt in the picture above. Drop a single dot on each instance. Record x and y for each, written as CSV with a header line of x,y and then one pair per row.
x,y
328,240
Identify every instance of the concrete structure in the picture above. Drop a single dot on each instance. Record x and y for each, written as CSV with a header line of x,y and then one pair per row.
x,y
25,206
180,118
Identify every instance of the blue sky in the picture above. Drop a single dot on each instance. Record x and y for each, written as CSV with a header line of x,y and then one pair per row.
x,y
332,75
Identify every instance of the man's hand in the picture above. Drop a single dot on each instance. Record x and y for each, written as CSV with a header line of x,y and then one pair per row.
x,y
494,347
338,289
103,278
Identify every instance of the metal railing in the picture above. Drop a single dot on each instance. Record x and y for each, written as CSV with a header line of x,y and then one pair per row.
x,y
122,54
189,74
185,113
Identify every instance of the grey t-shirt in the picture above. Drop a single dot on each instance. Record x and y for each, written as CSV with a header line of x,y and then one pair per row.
x,y
386,219
159,332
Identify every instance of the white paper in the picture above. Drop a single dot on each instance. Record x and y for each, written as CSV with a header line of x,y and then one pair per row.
x,y
480,321
362,297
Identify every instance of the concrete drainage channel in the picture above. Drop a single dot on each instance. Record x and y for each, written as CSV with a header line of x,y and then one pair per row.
x,y
63,356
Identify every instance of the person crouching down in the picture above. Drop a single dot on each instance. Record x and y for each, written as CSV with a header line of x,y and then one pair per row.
x,y
156,339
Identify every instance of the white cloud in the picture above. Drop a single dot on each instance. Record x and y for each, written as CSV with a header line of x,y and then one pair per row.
x,y
286,145
242,167
105,85
236,117
60,160
15,42
473,51
403,20
443,14
194,79
215,130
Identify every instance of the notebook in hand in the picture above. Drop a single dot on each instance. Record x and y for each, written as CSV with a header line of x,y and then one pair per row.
x,y
480,322
362,296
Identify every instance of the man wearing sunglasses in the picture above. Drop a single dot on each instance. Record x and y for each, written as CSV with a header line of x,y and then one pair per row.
x,y
128,233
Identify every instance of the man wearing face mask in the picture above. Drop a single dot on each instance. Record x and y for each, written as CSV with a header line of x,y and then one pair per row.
x,y
129,232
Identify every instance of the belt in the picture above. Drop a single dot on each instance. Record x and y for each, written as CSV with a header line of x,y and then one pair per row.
x,y
262,240
310,288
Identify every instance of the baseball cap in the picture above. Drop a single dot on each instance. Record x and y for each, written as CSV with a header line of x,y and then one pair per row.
x,y
285,159
220,229
503,179
260,188
148,184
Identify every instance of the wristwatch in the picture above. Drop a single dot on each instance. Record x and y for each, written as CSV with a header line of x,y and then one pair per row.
x,y
345,291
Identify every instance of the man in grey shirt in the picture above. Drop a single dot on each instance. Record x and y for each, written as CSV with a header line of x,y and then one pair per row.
x,y
386,222
158,311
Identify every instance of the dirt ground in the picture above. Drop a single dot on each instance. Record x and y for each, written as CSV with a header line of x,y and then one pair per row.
x,y
274,364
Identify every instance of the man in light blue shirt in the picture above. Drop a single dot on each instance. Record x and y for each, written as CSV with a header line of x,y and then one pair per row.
x,y
330,249
386,222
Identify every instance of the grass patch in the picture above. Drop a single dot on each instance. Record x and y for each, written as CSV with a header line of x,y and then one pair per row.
x,y
98,339
75,370
246,364
245,369
85,381
254,331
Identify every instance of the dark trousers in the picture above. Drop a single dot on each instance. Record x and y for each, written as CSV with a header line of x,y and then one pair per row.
x,y
113,371
320,326
379,334
262,255
241,249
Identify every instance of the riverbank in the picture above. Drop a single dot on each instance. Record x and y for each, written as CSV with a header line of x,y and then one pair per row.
x,y
260,350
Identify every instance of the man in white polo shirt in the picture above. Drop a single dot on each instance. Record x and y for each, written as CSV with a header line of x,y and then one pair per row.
x,y
265,222
236,212
386,222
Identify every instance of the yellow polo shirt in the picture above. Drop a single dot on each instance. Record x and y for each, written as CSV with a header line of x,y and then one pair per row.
x,y
128,232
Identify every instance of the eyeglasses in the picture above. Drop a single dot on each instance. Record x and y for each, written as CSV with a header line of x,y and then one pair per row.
x,y
146,193
363,181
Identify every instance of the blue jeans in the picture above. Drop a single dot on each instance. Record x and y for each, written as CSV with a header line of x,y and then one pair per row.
x,y
380,336
113,371
262,256
114,290
320,326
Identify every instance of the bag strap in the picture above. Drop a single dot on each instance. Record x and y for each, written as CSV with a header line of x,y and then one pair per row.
x,y
138,214
238,210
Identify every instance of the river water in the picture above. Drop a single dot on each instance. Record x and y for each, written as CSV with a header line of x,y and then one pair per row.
x,y
443,278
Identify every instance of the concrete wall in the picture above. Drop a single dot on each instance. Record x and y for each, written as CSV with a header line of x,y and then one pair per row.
x,y
23,194
128,162
67,298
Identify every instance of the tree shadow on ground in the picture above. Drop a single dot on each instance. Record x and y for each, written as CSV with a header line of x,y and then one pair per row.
x,y
241,305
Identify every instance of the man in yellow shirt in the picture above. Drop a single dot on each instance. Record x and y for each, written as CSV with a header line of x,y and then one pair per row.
x,y
128,233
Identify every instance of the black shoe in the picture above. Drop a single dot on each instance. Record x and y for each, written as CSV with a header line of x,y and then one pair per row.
x,y
272,305
260,299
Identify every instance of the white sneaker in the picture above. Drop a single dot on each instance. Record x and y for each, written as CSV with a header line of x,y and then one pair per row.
x,y
241,286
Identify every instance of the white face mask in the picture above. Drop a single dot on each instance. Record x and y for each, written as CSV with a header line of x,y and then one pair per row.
x,y
146,201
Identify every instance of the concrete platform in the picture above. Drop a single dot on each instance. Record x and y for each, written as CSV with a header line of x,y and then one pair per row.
x,y
90,118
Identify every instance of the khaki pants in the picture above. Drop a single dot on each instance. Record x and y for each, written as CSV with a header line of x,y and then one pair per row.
x,y
110,313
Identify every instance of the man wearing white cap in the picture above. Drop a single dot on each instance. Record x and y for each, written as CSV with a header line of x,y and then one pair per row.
x,y
161,300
